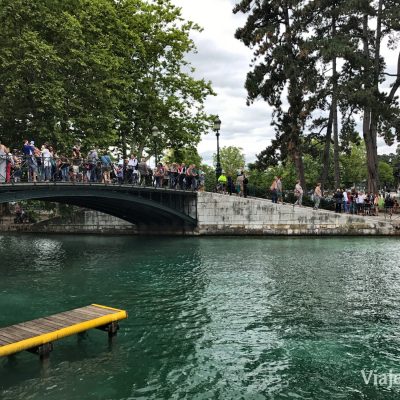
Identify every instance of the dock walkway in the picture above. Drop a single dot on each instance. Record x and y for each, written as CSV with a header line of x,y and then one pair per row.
x,y
37,335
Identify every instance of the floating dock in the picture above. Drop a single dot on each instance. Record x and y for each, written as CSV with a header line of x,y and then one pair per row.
x,y
38,335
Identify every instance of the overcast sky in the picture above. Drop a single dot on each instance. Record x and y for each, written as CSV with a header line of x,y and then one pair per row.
x,y
225,62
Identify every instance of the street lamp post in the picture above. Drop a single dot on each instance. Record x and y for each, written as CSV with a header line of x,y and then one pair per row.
x,y
156,133
217,127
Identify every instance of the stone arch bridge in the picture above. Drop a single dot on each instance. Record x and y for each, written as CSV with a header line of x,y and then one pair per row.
x,y
150,209
165,211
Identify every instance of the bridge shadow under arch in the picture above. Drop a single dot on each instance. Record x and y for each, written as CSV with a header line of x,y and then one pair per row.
x,y
147,208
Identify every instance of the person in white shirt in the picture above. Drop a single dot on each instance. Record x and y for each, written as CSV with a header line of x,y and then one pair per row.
x,y
345,199
360,203
132,166
298,192
46,159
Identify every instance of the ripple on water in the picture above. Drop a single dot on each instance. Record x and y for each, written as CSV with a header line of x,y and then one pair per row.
x,y
224,318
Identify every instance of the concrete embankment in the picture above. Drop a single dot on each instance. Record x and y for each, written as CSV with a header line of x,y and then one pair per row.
x,y
231,215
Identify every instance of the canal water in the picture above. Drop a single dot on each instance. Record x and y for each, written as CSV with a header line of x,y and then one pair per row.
x,y
209,318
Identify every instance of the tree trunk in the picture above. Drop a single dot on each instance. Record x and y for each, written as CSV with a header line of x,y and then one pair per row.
x,y
124,146
335,114
372,152
396,84
298,162
335,136
327,151
370,123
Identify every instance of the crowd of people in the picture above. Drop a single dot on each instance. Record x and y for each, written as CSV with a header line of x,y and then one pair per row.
x,y
34,164
227,184
361,203
345,201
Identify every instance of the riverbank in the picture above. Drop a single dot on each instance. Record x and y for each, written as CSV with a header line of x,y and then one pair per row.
x,y
234,217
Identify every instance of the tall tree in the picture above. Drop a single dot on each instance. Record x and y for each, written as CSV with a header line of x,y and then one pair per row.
x,y
282,66
56,70
103,71
372,23
326,22
162,90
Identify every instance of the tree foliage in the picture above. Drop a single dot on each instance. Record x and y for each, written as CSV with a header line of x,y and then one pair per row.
x,y
297,47
98,70
232,160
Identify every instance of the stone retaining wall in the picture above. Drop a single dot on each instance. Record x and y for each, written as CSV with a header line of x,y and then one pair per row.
x,y
231,215
82,222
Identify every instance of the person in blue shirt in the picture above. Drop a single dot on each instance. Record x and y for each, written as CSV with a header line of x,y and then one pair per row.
x,y
28,150
106,167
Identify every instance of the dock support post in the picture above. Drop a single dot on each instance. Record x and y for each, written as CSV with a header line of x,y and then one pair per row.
x,y
112,329
43,351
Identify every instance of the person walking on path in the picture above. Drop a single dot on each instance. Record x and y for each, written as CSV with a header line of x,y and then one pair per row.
x,y
239,184
245,185
317,196
279,190
298,192
3,162
273,188
222,181
338,196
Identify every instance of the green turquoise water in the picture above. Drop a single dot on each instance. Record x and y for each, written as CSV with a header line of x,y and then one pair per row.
x,y
209,318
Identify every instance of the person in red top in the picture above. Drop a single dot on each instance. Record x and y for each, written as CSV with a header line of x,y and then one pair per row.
x,y
159,175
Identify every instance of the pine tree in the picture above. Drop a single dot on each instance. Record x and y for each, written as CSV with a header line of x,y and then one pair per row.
x,y
282,66
365,73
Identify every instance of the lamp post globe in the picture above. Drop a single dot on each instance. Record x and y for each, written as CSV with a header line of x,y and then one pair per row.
x,y
216,128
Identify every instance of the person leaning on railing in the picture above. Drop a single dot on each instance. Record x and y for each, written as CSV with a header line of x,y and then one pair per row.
x,y
143,171
3,161
16,172
64,165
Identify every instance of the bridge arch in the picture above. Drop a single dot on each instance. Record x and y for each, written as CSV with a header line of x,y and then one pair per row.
x,y
144,207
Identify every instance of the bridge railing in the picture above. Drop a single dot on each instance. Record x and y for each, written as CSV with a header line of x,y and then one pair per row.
x,y
32,169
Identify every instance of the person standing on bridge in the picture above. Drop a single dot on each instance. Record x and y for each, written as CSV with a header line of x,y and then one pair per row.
x,y
46,162
132,166
28,150
106,167
143,171
182,176
92,160
3,162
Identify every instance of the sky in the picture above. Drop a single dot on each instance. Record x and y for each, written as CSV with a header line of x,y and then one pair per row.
x,y
224,61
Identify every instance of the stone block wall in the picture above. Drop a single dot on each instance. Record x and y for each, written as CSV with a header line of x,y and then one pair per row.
x,y
231,215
